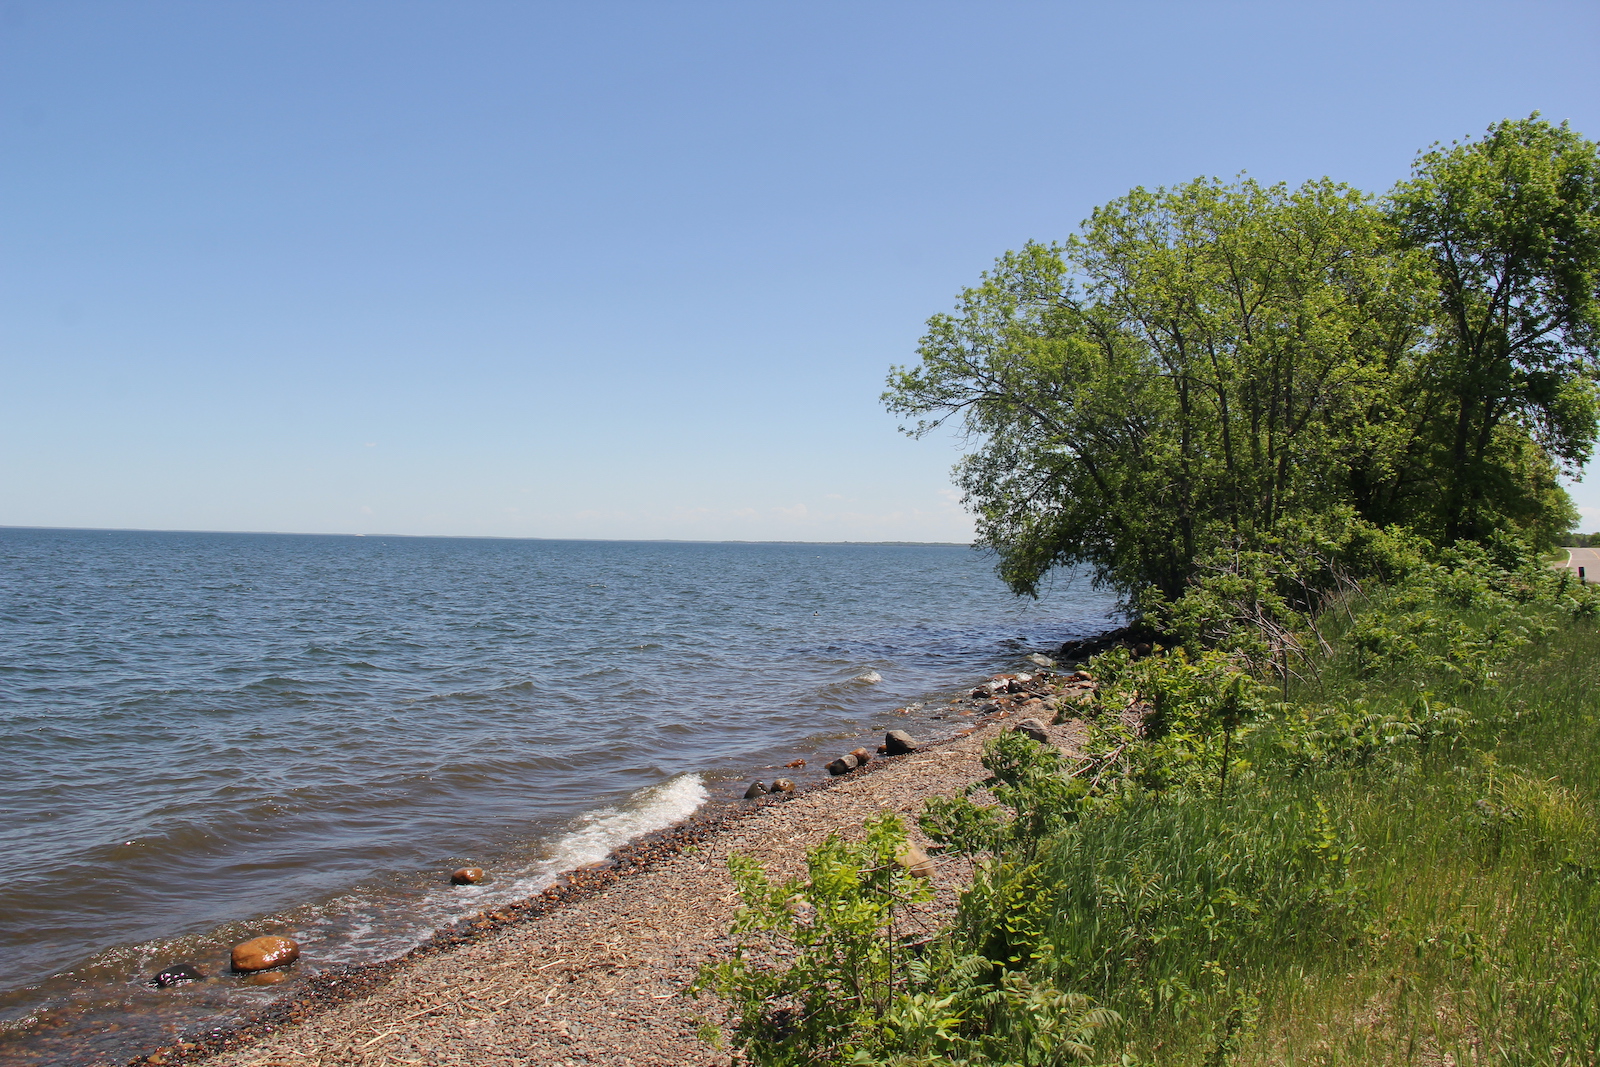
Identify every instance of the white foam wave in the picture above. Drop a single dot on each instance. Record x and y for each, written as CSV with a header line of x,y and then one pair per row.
x,y
351,930
604,829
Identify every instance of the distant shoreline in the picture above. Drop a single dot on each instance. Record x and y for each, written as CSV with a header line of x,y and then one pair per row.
x,y
496,537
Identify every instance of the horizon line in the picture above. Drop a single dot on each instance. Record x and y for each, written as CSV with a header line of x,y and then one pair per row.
x,y
496,537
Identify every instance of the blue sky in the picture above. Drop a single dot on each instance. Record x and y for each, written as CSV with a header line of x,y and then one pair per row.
x,y
630,270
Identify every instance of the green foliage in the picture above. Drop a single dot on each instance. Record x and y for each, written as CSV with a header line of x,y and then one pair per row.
x,y
1511,226
837,924
1401,864
821,975
1197,362
1203,370
1029,780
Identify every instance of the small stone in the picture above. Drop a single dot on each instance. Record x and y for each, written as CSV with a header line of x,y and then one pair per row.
x,y
915,861
756,790
782,785
177,974
1034,729
264,953
843,765
1141,649
898,743
795,763
1041,660
467,876
863,757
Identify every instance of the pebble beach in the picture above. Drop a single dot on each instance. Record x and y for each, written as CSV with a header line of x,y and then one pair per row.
x,y
595,969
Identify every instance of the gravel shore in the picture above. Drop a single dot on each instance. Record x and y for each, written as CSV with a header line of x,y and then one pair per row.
x,y
600,977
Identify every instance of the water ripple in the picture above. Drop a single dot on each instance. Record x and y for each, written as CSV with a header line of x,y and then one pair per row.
x,y
213,734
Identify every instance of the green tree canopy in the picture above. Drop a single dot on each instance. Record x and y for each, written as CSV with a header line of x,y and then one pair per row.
x,y
1201,363
1511,228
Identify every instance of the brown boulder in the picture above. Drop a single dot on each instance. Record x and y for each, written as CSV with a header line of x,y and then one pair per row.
x,y
264,953
898,743
844,764
467,876
782,785
863,757
1034,729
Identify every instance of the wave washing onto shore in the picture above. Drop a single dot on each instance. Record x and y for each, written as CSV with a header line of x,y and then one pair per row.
x,y
217,736
366,925
362,927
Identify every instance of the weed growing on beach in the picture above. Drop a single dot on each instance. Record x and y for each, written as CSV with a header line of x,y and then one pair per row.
x,y
819,960
824,973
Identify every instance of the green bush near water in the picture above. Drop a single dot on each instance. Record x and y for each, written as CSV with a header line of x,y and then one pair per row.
x,y
1349,816
1381,848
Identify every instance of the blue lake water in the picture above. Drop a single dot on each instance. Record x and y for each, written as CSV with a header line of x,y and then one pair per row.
x,y
207,736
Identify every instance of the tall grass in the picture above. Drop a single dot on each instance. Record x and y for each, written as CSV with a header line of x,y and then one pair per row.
x,y
1417,894
1390,856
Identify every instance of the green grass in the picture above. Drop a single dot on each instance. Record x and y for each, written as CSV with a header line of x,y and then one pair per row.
x,y
1394,859
1477,867
1422,903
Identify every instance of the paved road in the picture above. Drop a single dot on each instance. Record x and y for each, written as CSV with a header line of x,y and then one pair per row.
x,y
1587,558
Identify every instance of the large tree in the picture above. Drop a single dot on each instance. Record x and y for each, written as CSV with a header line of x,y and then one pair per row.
x,y
1200,364
1510,225
1197,363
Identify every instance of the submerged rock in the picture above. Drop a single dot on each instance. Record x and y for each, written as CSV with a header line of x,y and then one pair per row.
x,y
264,953
795,763
756,790
177,974
1034,729
844,764
898,743
1042,660
782,785
467,876
267,977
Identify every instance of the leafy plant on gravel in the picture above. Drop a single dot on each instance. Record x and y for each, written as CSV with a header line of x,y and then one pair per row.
x,y
823,973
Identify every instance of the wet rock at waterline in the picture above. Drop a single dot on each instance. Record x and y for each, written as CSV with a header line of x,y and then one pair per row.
x,y
466,876
1034,729
844,764
783,785
863,757
795,763
756,790
177,974
264,953
898,743
266,977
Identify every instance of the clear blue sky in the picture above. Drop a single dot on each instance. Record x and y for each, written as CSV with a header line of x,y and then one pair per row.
x,y
627,270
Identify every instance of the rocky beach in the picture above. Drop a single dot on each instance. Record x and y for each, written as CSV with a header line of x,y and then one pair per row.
x,y
595,969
